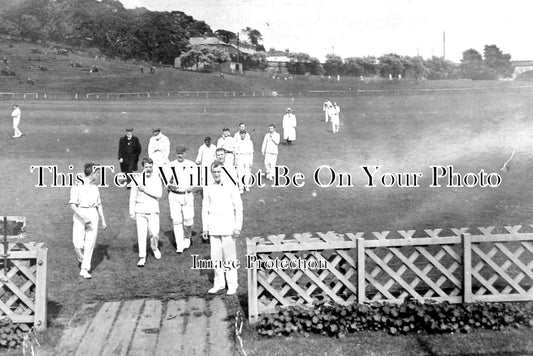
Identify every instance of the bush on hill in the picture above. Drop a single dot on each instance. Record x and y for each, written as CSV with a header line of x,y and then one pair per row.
x,y
106,25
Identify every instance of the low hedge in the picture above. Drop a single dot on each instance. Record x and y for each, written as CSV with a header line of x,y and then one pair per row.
x,y
11,334
409,317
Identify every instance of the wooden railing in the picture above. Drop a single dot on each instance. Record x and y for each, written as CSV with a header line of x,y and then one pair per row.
x,y
454,266
202,95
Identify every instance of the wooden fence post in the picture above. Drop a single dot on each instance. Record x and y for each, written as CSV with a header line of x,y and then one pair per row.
x,y
360,248
467,268
253,312
41,289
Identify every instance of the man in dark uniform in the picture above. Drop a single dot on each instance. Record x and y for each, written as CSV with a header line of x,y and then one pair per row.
x,y
129,149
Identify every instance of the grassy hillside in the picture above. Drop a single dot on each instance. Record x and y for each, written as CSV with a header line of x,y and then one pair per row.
x,y
53,73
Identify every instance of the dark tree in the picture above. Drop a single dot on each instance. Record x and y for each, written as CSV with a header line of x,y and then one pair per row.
x,y
254,61
369,65
253,35
439,68
204,55
333,64
298,63
472,66
352,68
497,62
414,67
390,64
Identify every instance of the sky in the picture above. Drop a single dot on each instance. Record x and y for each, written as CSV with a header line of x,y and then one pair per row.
x,y
355,28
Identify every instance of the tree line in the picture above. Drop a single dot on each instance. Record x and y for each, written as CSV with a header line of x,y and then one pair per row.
x,y
160,37
493,64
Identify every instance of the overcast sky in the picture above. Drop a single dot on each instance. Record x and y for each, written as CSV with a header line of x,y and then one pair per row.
x,y
354,28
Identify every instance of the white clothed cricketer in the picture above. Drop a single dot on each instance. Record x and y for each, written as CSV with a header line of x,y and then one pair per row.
x,y
237,136
221,216
270,151
159,149
206,155
289,126
244,155
144,207
181,201
16,114
228,144
335,117
326,107
86,196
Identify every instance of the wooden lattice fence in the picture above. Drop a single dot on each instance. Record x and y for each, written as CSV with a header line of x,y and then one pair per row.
x,y
452,265
23,283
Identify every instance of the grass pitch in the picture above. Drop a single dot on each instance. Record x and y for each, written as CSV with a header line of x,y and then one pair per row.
x,y
471,131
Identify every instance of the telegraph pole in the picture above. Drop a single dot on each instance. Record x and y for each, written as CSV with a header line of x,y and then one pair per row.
x,y
444,45
238,49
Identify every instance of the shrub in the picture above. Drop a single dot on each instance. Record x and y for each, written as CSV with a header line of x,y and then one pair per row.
x,y
409,317
11,335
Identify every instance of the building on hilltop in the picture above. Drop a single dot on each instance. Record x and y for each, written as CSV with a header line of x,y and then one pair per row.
x,y
235,51
522,67
277,61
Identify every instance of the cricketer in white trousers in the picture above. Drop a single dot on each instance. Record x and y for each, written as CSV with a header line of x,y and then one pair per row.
x,y
326,107
245,158
289,126
86,198
159,149
221,216
335,118
144,207
228,144
16,121
270,151
181,202
206,156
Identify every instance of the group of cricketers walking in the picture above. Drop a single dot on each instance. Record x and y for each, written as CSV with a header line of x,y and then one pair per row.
x,y
223,168
227,164
332,113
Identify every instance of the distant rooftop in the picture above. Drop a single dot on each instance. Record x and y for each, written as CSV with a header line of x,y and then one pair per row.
x,y
206,41
213,41
522,63
275,53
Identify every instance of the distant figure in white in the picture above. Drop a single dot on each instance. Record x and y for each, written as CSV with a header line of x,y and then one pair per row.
x,y
159,148
206,156
244,155
242,127
15,114
289,126
326,107
228,144
270,150
335,117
